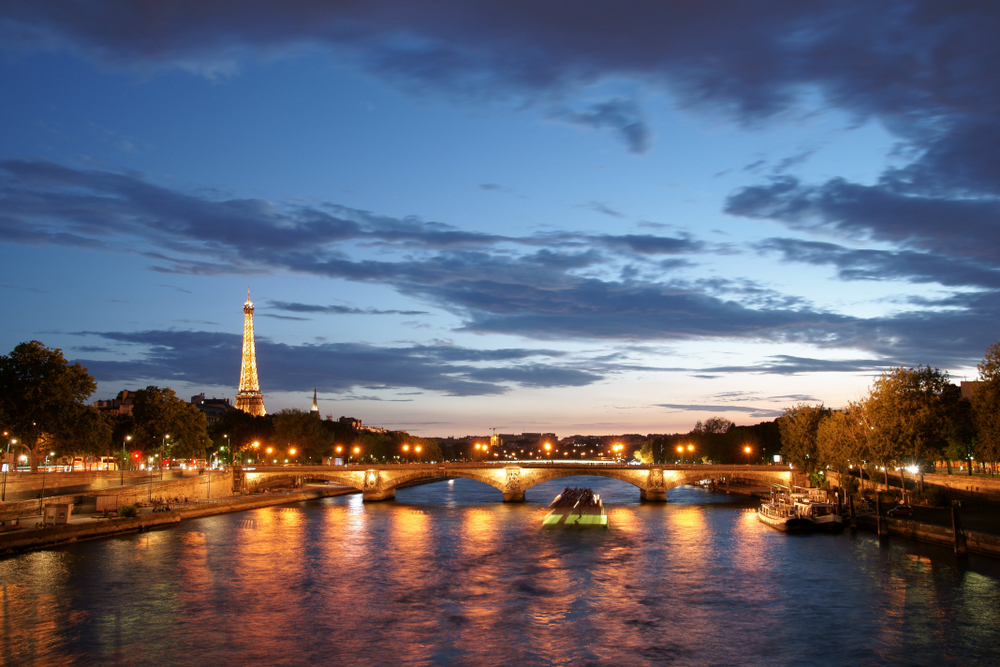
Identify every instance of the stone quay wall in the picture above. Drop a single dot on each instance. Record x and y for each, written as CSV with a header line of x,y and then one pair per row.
x,y
24,485
984,544
218,485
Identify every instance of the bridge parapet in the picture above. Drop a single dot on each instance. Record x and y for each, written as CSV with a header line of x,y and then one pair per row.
x,y
379,482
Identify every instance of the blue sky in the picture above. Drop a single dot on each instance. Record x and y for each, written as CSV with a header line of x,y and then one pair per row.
x,y
577,217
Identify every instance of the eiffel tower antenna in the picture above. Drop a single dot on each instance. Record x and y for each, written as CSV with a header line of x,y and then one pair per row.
x,y
248,398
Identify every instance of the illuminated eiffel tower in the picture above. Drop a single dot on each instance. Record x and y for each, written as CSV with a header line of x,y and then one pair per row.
x,y
248,398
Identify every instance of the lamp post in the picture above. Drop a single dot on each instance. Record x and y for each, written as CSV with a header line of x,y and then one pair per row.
x,y
256,452
6,467
163,443
122,471
680,450
747,450
691,452
231,460
269,450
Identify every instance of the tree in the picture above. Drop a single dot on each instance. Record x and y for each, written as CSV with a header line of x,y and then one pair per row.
x,y
709,439
39,394
158,413
303,432
841,443
91,434
240,430
959,428
986,405
716,425
907,415
798,427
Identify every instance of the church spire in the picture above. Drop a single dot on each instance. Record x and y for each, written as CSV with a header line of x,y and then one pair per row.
x,y
315,407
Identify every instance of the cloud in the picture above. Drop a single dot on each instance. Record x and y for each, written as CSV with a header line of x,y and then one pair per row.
x,y
868,264
623,116
603,208
204,358
789,365
756,412
561,285
958,227
335,310
176,289
284,317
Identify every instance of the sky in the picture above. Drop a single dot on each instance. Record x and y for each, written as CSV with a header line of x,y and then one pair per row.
x,y
573,217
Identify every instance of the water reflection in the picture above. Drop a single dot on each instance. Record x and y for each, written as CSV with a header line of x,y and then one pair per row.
x,y
447,574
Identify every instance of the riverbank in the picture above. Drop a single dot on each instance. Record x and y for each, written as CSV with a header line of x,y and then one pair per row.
x,y
975,542
28,537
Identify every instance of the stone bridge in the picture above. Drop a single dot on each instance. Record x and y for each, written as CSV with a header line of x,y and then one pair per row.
x,y
379,482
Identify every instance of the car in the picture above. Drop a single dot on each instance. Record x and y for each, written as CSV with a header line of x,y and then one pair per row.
x,y
900,510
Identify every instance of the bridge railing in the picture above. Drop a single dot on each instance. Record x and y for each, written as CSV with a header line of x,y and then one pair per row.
x,y
290,467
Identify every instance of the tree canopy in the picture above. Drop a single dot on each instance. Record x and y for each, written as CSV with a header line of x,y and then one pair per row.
x,y
798,427
305,433
906,415
162,420
40,394
986,405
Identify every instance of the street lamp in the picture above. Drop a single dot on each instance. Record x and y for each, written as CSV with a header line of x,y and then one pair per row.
x,y
256,452
269,450
127,438
747,450
6,467
292,453
163,443
691,452
231,460
417,450
680,450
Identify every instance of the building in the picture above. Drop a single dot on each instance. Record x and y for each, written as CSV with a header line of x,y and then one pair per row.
x,y
121,405
968,387
214,408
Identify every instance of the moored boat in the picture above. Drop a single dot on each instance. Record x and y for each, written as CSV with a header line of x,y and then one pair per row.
x,y
783,517
823,516
577,507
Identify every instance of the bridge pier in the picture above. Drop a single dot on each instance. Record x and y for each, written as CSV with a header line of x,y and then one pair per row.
x,y
653,495
374,496
513,496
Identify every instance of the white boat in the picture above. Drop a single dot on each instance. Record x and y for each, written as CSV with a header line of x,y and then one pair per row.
x,y
782,516
823,516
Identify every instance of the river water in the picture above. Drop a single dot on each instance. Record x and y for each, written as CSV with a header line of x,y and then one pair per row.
x,y
449,575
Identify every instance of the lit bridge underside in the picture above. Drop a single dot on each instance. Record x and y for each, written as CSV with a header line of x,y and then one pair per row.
x,y
379,482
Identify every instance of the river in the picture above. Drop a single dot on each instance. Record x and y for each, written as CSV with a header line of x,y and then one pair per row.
x,y
449,575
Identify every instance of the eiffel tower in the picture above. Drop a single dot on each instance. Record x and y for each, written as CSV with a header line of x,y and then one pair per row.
x,y
248,398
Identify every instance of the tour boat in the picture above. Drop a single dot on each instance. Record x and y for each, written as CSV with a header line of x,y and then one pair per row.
x,y
823,516
577,507
782,516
